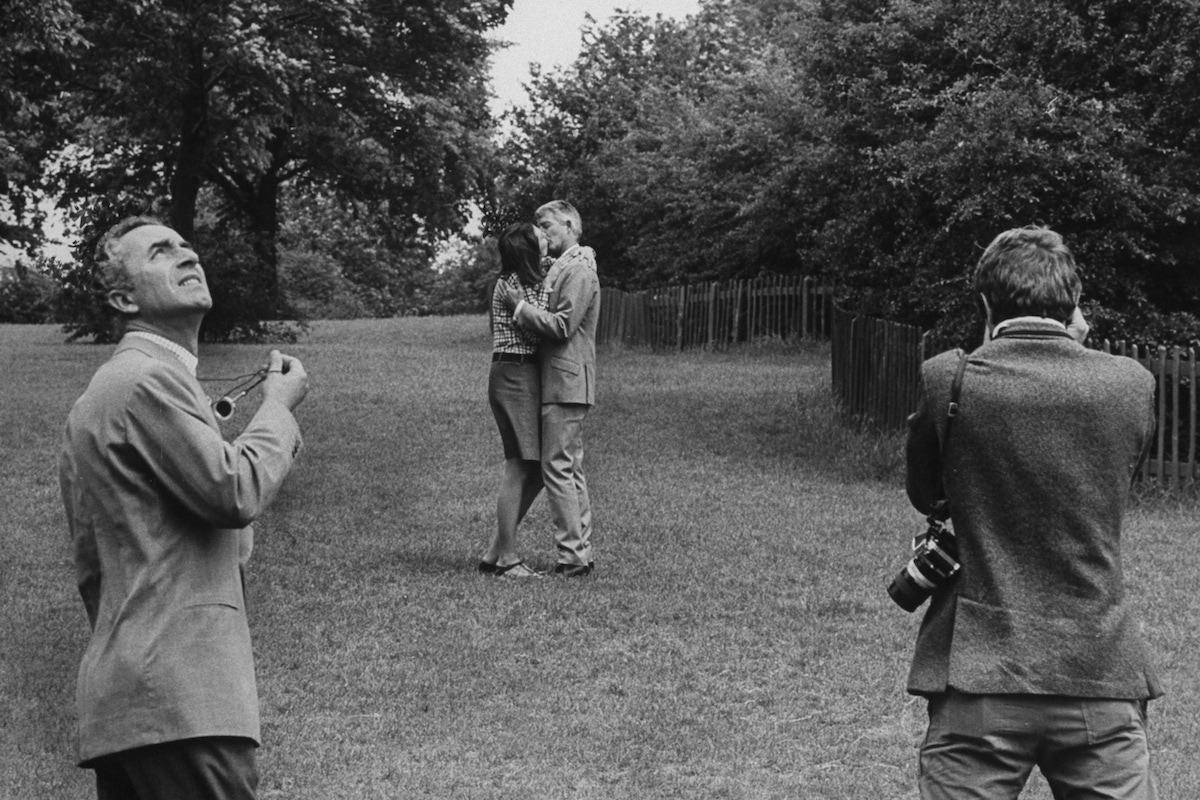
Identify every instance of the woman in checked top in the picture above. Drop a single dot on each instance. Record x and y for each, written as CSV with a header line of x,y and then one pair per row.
x,y
515,396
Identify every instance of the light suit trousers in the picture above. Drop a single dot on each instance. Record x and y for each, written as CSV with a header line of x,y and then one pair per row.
x,y
566,484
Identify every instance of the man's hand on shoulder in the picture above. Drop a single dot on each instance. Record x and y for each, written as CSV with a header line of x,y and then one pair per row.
x,y
286,381
582,255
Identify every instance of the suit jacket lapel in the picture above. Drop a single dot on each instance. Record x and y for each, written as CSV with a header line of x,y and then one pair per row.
x,y
162,354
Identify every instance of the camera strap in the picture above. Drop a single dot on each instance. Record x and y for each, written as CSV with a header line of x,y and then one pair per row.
x,y
955,393
941,510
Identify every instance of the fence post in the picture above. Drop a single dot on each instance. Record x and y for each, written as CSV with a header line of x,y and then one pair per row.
x,y
1176,433
802,293
735,328
1160,365
679,317
1192,402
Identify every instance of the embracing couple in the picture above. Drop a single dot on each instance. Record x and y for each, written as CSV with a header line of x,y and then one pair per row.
x,y
542,383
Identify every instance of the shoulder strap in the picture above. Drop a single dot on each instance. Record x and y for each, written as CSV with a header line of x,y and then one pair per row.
x,y
955,393
941,509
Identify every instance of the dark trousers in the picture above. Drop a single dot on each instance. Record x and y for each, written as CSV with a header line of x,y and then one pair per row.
x,y
210,768
984,747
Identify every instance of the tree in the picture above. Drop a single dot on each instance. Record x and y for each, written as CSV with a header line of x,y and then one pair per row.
x,y
36,37
674,138
573,114
883,144
351,245
951,121
370,101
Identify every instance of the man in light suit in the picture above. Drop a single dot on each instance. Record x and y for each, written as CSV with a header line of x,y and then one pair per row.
x,y
567,355
158,506
1032,655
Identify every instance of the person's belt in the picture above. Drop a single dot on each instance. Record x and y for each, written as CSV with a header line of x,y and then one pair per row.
x,y
516,358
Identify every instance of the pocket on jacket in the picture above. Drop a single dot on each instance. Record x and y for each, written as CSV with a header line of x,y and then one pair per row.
x,y
566,365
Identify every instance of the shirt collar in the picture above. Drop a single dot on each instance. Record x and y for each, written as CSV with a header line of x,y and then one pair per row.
x,y
1027,320
190,362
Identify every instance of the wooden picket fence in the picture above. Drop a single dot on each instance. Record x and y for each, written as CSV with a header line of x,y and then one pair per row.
x,y
876,367
716,314
1173,455
876,370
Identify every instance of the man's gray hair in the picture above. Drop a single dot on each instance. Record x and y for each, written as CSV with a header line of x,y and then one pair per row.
x,y
565,213
109,270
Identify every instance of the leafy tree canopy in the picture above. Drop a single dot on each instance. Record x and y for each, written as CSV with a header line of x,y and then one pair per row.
x,y
369,101
883,144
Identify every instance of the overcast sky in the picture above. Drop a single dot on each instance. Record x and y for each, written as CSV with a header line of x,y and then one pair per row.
x,y
548,32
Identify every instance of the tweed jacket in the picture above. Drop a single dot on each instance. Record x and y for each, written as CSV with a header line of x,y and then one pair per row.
x,y
158,505
568,329
1036,469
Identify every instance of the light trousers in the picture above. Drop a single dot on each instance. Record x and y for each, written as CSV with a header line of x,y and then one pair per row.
x,y
566,484
984,747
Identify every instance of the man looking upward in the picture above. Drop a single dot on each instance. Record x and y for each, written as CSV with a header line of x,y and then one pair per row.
x,y
567,356
158,506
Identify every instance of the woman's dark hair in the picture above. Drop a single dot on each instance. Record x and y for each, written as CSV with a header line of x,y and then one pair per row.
x,y
521,252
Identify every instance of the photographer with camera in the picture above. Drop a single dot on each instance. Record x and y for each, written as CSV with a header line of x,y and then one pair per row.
x,y
1030,653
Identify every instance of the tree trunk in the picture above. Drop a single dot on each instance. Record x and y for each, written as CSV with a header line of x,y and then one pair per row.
x,y
262,223
189,158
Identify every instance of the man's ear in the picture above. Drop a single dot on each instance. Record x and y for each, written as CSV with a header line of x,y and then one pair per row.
x,y
122,301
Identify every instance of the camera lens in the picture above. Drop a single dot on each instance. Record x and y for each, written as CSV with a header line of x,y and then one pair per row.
x,y
905,592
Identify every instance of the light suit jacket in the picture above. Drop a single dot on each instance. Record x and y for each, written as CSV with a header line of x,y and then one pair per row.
x,y
568,329
158,506
1037,469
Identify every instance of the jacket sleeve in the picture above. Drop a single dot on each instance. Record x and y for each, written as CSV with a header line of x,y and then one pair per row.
x,y
226,484
923,453
569,302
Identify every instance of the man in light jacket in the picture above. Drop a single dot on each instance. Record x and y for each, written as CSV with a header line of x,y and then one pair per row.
x,y
567,355
158,506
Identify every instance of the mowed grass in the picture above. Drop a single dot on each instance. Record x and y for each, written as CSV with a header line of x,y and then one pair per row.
x,y
735,642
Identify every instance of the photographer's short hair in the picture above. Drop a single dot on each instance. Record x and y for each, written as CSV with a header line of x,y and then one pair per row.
x,y
521,253
109,268
564,211
1028,272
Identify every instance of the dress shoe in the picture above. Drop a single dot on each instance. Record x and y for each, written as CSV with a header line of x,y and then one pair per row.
x,y
574,570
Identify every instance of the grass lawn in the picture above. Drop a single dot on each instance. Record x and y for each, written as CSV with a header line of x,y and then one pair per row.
x,y
735,642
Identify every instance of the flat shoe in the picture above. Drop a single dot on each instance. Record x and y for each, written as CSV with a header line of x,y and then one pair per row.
x,y
517,570
487,568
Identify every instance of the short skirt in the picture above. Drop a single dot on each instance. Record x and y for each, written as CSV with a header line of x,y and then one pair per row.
x,y
515,395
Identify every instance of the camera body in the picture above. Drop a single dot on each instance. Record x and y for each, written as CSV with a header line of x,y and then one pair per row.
x,y
934,564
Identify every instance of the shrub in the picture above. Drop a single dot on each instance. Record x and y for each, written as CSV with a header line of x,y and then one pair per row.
x,y
316,288
30,297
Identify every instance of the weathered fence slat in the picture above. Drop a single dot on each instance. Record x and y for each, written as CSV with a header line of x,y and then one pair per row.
x,y
716,314
876,364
